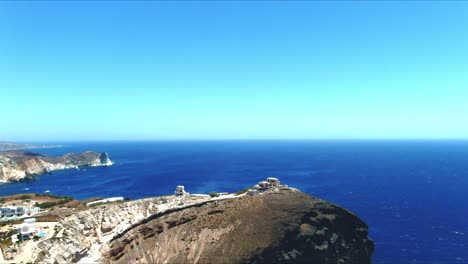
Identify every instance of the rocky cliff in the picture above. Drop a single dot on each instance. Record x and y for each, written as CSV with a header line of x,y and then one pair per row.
x,y
281,226
24,165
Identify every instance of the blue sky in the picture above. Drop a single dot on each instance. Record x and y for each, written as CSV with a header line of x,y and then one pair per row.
x,y
233,70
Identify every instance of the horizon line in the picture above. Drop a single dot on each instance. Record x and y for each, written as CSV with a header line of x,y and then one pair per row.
x,y
236,139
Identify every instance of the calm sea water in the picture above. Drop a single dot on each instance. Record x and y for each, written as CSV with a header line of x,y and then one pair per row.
x,y
412,194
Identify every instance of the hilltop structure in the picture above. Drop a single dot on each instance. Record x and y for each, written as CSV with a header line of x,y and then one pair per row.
x,y
314,231
180,191
270,183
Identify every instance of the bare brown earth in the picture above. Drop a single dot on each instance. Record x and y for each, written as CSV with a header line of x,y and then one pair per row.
x,y
276,227
279,226
17,199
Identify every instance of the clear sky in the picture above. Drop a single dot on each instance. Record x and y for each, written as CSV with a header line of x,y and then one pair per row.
x,y
233,70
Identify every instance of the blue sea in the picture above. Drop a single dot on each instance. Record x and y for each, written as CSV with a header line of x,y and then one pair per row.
x,y
412,194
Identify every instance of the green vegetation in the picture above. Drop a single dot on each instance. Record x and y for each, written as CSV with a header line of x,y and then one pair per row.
x,y
6,242
5,238
127,199
25,197
51,195
11,222
2,200
101,203
48,218
243,191
96,204
59,202
213,194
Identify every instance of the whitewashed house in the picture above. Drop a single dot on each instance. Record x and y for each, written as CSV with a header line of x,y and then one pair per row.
x,y
180,191
264,185
27,229
273,182
8,212
33,210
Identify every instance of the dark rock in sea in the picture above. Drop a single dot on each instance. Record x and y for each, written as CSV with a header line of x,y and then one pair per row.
x,y
104,158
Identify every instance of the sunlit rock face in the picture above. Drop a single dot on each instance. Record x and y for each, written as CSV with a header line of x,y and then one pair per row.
x,y
104,160
24,165
282,226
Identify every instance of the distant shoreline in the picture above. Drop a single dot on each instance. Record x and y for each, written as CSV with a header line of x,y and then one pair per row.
x,y
39,147
5,146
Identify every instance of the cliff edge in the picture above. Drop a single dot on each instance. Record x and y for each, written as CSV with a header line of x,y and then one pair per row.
x,y
280,226
24,165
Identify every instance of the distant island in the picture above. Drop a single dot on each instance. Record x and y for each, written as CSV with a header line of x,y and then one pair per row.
x,y
4,145
17,165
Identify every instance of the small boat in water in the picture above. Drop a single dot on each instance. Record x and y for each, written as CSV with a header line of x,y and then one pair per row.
x,y
47,191
26,189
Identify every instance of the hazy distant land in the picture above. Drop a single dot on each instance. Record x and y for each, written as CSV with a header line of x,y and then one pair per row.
x,y
4,145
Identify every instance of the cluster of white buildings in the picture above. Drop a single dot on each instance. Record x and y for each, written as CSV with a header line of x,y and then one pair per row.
x,y
270,183
15,212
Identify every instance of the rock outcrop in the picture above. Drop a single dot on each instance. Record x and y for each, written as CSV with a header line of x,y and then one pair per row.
x,y
24,165
281,226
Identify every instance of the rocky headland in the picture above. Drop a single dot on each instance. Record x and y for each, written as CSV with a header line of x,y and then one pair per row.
x,y
17,165
282,225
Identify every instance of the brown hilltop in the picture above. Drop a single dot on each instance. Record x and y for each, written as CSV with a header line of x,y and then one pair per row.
x,y
286,226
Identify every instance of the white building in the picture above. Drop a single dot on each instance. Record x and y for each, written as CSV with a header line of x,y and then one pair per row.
x,y
7,212
273,182
180,191
10,211
33,210
27,229
270,183
263,185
